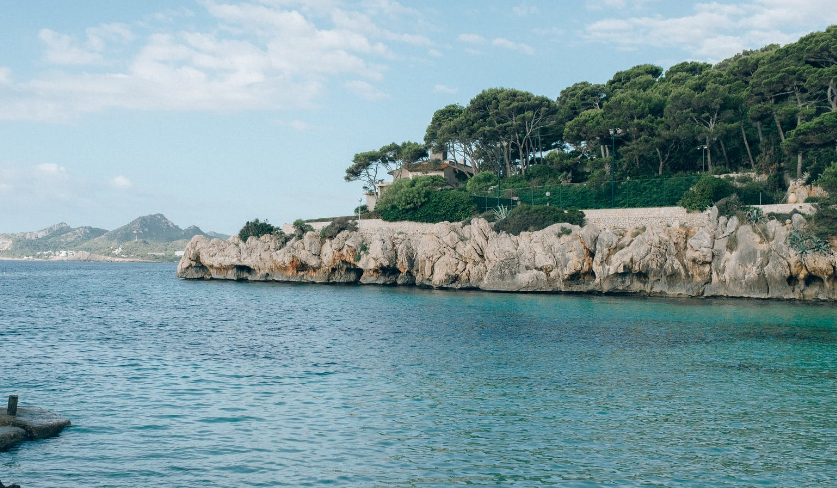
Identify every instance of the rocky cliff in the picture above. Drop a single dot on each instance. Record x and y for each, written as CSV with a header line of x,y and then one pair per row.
x,y
721,258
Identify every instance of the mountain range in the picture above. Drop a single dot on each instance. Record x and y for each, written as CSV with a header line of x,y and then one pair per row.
x,y
151,238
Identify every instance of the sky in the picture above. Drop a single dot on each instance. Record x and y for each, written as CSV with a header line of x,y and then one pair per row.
x,y
216,112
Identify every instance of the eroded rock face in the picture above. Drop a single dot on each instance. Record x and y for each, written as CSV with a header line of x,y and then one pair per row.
x,y
723,258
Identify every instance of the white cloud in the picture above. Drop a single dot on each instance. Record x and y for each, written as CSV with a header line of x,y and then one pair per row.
x,y
365,90
523,10
433,52
617,4
52,170
265,54
471,38
514,46
34,196
121,182
98,37
390,8
65,50
714,31
444,89
5,76
554,32
297,125
358,22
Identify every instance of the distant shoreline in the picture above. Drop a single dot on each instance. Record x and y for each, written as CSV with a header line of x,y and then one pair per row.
x,y
84,257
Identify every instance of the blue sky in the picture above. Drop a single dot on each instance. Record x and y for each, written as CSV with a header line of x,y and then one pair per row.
x,y
215,112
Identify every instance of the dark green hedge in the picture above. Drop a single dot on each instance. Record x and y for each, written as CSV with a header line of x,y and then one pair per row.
x,y
440,206
529,218
257,229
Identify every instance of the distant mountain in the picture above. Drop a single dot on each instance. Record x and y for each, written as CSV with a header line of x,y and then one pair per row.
x,y
78,236
152,237
52,230
150,228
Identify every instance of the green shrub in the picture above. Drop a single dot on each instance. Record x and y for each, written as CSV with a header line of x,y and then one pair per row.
x,y
256,228
730,206
337,226
300,227
705,193
529,218
481,182
421,200
409,193
756,193
824,221
828,180
444,205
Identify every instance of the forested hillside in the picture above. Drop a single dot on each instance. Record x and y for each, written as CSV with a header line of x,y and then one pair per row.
x,y
772,110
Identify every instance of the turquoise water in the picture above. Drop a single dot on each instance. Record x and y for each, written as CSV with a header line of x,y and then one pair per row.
x,y
190,383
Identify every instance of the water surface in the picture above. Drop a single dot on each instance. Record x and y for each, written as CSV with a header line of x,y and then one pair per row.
x,y
193,383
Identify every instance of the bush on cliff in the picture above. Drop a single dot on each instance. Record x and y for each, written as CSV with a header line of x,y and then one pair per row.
x,y
529,218
422,199
257,229
337,226
301,227
705,193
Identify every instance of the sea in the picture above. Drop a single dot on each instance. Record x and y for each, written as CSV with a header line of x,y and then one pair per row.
x,y
179,383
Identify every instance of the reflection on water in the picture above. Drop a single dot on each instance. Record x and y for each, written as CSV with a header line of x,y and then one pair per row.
x,y
234,384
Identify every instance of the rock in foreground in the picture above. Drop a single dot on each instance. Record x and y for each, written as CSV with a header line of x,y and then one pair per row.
x,y
30,423
721,258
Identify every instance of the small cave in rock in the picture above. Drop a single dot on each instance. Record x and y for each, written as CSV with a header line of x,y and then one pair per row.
x,y
390,274
406,278
580,277
814,281
343,272
792,281
242,272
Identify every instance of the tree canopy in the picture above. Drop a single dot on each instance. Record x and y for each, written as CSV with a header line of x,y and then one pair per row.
x,y
772,109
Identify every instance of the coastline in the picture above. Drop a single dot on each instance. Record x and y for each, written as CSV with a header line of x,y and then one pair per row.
x,y
82,256
721,257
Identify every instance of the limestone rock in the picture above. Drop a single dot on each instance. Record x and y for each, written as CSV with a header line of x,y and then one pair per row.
x,y
720,257
38,423
10,437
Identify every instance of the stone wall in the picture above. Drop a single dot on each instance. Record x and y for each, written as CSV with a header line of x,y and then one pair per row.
x,y
787,208
632,218
609,218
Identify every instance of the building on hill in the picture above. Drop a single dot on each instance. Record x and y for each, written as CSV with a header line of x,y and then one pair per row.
x,y
437,165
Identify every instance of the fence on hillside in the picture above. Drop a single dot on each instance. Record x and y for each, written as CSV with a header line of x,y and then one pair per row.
x,y
632,193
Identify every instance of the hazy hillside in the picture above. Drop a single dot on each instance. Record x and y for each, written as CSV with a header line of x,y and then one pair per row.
x,y
151,237
150,228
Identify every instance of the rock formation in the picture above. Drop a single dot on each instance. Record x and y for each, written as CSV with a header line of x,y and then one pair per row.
x,y
724,257
28,424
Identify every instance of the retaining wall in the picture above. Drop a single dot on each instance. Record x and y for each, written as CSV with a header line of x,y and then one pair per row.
x,y
610,218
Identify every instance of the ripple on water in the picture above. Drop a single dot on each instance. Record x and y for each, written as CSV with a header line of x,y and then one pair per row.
x,y
232,384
